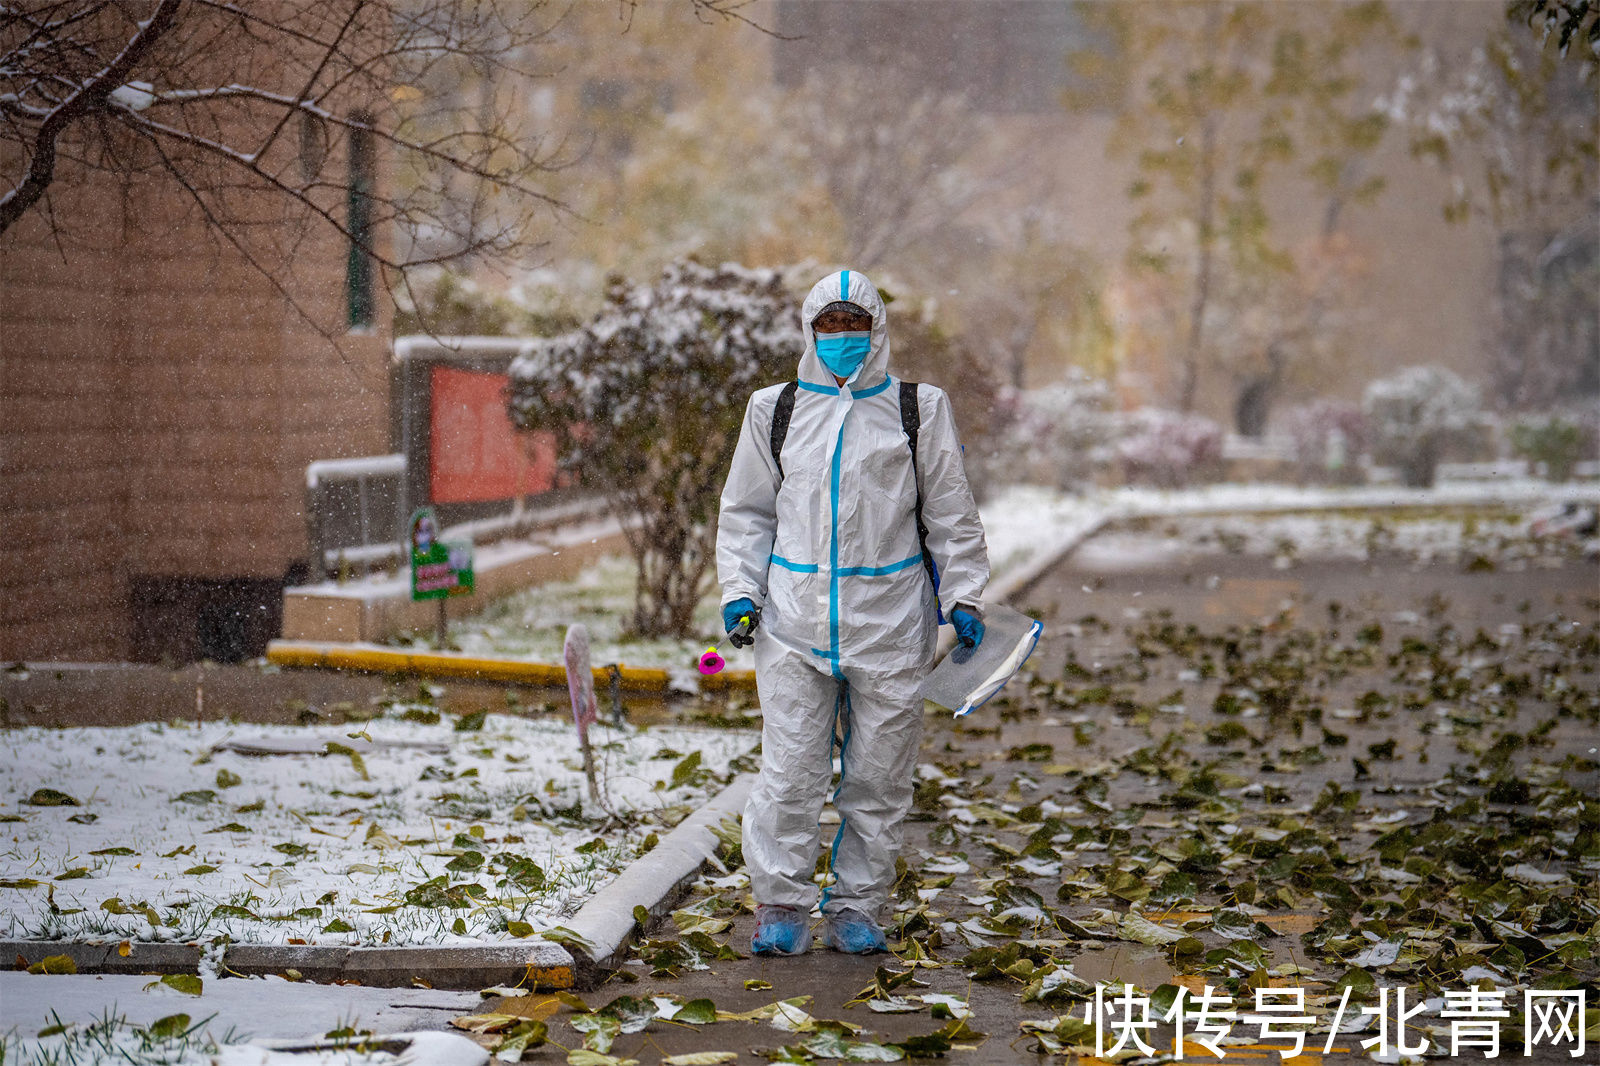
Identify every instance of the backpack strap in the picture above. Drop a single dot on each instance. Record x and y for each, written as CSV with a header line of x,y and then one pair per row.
x,y
911,422
781,413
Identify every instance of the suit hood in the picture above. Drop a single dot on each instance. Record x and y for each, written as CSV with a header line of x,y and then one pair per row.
x,y
856,287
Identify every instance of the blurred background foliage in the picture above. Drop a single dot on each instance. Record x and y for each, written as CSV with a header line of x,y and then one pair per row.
x,y
1244,212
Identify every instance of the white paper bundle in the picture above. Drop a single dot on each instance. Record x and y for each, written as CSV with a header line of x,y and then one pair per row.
x,y
969,677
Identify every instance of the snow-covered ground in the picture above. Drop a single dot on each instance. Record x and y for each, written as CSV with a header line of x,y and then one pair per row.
x,y
398,830
116,1019
1499,540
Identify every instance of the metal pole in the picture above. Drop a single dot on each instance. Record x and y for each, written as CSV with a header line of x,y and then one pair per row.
x,y
366,535
403,368
615,670
588,766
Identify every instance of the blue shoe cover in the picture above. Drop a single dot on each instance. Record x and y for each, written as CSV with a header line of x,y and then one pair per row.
x,y
780,931
854,933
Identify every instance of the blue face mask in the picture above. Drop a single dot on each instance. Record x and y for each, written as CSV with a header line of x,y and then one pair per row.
x,y
843,353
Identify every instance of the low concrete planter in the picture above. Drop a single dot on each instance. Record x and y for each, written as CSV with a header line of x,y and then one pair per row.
x,y
373,610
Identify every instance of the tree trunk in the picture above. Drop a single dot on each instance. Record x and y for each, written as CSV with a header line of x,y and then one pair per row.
x,y
1254,404
672,561
1421,464
1202,279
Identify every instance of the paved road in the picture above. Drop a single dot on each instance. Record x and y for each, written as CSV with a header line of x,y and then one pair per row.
x,y
1102,608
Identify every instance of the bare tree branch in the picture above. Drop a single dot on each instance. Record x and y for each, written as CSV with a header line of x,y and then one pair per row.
x,y
708,11
90,94
305,93
200,93
226,233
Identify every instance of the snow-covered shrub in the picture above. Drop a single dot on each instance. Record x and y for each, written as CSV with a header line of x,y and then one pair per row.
x,y
1327,436
1414,415
926,351
648,398
1061,434
1169,449
1557,441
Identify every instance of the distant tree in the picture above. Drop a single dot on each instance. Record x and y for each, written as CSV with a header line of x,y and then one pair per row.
x,y
1566,22
1327,437
1556,441
1512,125
1062,434
924,350
1050,304
1517,130
648,399
706,163
1226,103
1549,303
1414,415
903,162
1169,449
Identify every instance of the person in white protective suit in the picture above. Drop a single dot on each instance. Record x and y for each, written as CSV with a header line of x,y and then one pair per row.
x,y
823,569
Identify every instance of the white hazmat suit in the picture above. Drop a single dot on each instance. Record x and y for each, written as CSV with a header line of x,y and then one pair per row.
x,y
828,548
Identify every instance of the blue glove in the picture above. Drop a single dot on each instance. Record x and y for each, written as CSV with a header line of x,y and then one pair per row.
x,y
969,627
740,619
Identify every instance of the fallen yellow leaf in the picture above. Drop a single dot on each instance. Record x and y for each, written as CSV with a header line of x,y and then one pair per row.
x,y
536,1007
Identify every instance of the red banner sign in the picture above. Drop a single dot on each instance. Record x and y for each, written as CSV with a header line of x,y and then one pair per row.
x,y
477,455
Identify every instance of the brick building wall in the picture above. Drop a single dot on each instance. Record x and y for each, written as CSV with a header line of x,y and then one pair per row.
x,y
159,401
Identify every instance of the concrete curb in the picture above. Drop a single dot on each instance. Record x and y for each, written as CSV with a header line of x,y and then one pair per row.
x,y
433,1048
655,882
538,964
1018,581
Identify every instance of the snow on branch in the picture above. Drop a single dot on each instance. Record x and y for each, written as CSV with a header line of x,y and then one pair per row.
x,y
240,106
91,92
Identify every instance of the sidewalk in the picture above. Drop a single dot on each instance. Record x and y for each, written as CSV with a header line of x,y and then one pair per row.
x,y
1124,827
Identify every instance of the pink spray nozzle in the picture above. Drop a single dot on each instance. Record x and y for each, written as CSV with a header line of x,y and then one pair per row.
x,y
711,662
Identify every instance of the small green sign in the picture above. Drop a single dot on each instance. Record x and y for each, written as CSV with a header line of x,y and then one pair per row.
x,y
438,569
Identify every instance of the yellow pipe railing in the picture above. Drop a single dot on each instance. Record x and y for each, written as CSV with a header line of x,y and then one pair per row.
x,y
443,664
